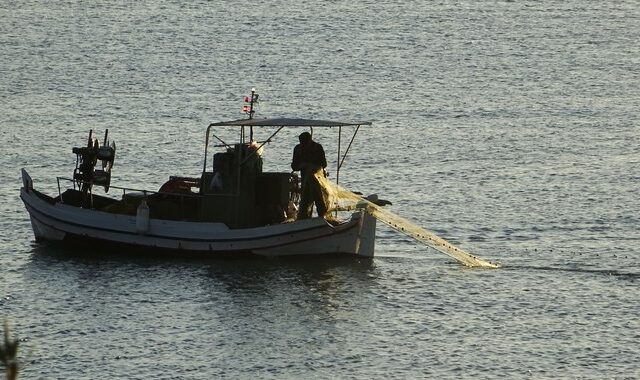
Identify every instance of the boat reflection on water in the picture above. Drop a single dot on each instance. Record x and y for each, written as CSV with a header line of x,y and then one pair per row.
x,y
245,286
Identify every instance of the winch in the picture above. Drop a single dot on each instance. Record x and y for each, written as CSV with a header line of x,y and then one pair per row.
x,y
85,173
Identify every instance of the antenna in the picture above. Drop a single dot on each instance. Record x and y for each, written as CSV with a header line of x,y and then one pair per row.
x,y
249,108
251,103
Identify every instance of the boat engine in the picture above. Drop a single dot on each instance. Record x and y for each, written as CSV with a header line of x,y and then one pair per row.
x,y
85,175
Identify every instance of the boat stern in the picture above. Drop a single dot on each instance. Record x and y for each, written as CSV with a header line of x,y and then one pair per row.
x,y
366,235
32,202
27,182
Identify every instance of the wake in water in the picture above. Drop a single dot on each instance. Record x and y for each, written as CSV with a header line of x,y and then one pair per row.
x,y
344,199
631,276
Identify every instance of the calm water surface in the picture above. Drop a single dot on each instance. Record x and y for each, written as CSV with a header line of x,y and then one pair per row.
x,y
509,128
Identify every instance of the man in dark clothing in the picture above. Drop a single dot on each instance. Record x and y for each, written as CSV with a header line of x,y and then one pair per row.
x,y
309,159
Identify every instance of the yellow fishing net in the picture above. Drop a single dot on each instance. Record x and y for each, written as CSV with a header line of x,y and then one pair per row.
x,y
343,199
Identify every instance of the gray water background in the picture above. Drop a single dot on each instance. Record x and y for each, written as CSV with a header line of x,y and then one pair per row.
x,y
509,128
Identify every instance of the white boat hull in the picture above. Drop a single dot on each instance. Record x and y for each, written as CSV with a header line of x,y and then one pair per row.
x,y
55,221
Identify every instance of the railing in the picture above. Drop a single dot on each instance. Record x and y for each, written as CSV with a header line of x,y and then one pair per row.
x,y
183,210
90,184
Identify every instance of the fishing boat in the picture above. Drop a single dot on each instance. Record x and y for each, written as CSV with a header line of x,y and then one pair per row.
x,y
233,208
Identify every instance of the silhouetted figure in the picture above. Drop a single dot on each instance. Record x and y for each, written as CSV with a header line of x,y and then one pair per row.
x,y
309,159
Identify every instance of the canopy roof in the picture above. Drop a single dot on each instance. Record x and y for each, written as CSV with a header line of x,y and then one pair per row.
x,y
286,122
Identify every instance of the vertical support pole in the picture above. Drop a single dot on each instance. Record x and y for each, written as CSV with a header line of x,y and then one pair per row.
x,y
338,162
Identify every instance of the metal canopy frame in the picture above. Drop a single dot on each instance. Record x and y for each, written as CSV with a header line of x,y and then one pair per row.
x,y
285,123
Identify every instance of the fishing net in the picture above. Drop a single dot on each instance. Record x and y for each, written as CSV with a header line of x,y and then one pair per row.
x,y
344,199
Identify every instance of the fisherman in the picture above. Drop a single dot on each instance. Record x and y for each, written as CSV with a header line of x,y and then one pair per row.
x,y
309,159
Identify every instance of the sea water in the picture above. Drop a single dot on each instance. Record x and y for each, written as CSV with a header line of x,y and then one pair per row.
x,y
510,128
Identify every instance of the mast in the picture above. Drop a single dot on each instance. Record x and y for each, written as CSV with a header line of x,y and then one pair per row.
x,y
249,108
